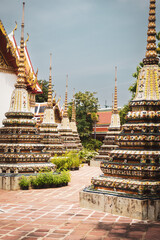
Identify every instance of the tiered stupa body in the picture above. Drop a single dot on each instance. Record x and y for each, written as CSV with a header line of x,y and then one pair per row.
x,y
109,142
74,126
130,184
65,129
20,149
48,128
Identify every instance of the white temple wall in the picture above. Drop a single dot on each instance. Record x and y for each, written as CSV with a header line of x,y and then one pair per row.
x,y
7,82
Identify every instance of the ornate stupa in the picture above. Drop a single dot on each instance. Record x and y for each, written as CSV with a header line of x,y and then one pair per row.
x,y
20,149
48,128
130,184
65,129
109,142
74,126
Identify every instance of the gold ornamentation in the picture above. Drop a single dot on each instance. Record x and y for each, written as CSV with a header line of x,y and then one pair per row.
x,y
9,43
25,43
15,28
3,63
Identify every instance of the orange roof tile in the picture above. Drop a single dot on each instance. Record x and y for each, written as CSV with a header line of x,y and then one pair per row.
x,y
99,129
104,117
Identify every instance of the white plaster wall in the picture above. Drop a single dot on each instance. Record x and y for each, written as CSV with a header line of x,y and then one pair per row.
x,y
7,82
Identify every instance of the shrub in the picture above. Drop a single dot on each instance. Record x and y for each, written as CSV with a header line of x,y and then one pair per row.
x,y
61,179
45,180
61,162
48,180
42,180
67,161
24,183
73,160
86,155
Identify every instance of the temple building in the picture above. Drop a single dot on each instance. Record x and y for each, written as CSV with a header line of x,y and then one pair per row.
x,y
65,130
109,142
130,184
104,120
48,128
9,58
21,151
73,126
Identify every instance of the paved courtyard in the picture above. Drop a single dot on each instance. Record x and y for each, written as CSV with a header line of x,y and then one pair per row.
x,y
55,214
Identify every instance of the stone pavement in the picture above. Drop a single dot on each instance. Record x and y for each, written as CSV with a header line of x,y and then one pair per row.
x,y
55,214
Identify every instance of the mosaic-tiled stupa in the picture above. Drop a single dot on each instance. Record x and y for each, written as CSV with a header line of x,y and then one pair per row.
x,y
48,128
109,142
65,129
73,126
130,184
20,149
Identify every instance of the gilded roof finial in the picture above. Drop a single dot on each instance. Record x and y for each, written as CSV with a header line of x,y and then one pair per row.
x,y
73,108
151,54
66,98
15,28
21,67
25,44
59,99
115,109
50,84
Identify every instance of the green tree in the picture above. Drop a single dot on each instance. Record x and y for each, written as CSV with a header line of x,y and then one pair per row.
x,y
86,104
94,117
123,112
44,96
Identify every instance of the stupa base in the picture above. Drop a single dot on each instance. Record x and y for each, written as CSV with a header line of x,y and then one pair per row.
x,y
10,174
9,181
142,209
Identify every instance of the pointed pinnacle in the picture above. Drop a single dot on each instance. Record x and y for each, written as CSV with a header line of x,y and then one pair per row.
x,y
115,109
21,67
151,54
50,84
66,98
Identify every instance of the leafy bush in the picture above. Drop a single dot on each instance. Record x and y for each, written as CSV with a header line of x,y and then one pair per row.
x,y
46,180
86,155
67,161
61,162
42,180
24,183
74,160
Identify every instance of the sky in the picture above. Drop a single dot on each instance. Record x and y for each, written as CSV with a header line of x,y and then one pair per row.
x,y
87,39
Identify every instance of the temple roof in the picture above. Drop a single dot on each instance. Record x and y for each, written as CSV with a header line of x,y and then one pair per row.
x,y
9,59
104,117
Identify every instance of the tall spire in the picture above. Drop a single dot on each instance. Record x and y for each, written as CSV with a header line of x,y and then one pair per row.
x,y
66,98
73,108
151,54
115,109
112,102
21,67
50,84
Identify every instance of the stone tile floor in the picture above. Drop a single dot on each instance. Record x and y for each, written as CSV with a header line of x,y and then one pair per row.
x,y
55,214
